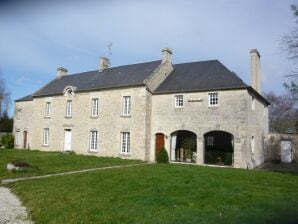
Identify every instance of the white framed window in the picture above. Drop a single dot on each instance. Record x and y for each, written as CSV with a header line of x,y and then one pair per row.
x,y
253,103
125,142
94,107
210,140
17,140
179,101
48,109
213,99
68,108
46,135
18,114
93,141
126,108
252,144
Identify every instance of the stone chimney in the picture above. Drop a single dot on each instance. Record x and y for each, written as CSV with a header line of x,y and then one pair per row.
x,y
255,70
61,72
166,55
104,63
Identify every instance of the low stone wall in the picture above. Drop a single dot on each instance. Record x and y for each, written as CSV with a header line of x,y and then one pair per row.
x,y
273,152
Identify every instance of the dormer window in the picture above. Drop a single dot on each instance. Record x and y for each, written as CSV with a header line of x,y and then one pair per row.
x,y
69,91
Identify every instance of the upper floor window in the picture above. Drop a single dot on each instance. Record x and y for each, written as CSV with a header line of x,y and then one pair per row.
x,y
253,103
94,107
46,135
48,109
213,99
18,114
125,142
68,108
179,101
93,140
126,105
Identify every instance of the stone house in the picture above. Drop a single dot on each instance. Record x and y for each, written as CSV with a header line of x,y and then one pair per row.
x,y
201,112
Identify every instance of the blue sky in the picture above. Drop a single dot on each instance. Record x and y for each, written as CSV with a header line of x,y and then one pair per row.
x,y
36,37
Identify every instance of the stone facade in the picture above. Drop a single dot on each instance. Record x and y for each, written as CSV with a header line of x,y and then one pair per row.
x,y
234,114
239,112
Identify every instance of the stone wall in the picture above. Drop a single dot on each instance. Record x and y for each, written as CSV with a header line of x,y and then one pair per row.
x,y
233,115
109,124
273,152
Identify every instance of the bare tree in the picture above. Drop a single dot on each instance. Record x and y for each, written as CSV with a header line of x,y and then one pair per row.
x,y
4,97
282,112
290,44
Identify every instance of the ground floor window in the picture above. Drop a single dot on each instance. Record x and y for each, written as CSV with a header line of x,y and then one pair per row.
x,y
219,148
17,140
46,134
93,140
125,142
184,146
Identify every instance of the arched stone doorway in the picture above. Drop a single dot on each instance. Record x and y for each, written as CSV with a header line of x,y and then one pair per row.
x,y
219,148
183,146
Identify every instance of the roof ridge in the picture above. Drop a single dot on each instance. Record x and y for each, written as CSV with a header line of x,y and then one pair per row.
x,y
81,73
192,62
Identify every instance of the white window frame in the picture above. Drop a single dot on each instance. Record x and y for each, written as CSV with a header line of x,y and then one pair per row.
x,y
18,113
126,106
213,99
253,103
68,108
93,141
48,109
94,107
125,143
18,135
179,101
46,136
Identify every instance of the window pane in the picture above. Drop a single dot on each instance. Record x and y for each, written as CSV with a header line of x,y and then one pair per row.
x,y
94,107
126,105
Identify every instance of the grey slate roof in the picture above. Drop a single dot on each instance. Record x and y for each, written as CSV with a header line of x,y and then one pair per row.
x,y
186,77
122,76
25,98
197,76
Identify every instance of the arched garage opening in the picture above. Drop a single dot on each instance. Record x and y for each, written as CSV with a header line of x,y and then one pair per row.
x,y
219,148
183,146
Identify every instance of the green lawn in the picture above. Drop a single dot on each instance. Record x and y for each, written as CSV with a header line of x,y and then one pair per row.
x,y
163,194
53,162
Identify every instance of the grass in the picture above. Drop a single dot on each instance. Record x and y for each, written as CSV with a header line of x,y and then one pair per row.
x,y
163,193
52,162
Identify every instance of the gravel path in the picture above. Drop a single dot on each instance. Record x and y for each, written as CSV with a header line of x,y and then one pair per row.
x,y
11,209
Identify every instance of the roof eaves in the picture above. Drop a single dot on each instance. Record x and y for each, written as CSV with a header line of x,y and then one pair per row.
x,y
198,90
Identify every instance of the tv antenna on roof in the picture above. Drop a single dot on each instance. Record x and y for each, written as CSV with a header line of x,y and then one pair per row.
x,y
109,47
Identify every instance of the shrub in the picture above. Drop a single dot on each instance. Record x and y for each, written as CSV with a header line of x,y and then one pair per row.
x,y
7,141
162,156
20,163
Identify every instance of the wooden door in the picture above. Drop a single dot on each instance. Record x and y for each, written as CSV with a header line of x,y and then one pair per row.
x,y
159,143
25,139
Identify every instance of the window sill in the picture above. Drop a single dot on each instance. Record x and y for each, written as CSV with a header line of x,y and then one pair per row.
x,y
125,116
94,117
125,154
45,145
47,117
68,117
215,106
93,151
